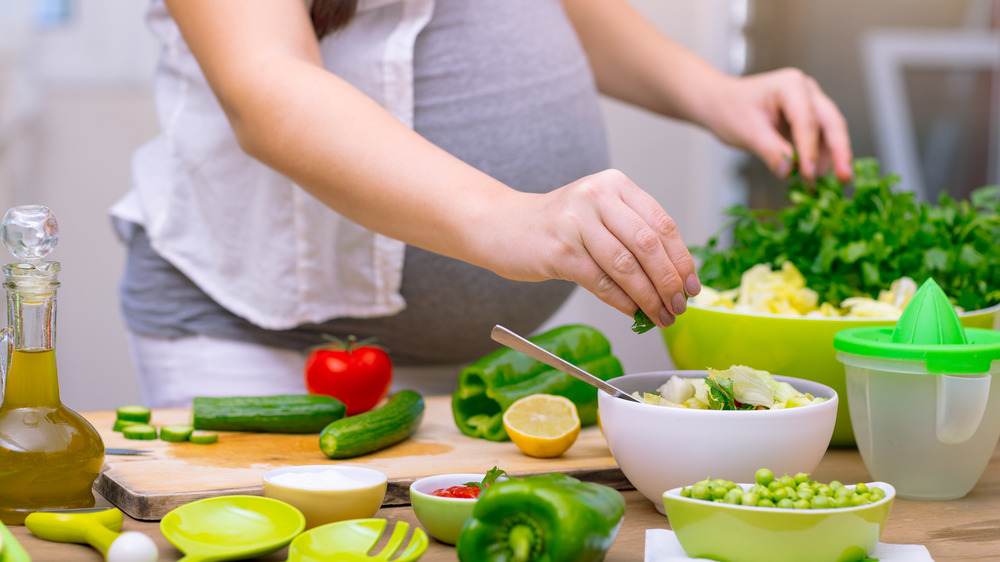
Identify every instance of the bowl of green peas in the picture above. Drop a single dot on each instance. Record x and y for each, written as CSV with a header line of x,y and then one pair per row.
x,y
779,519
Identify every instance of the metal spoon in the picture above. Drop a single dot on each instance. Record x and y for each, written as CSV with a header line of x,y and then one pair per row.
x,y
516,342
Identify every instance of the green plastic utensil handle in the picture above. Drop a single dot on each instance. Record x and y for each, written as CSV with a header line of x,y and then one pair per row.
x,y
10,549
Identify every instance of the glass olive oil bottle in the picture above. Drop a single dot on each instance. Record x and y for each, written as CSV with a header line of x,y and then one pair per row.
x,y
49,454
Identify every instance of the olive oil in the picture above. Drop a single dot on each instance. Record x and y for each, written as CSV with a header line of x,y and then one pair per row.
x,y
49,454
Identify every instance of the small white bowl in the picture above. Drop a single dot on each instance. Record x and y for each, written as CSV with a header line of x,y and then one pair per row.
x,y
661,447
326,493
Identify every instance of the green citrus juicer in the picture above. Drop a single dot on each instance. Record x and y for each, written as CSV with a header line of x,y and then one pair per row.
x,y
96,526
925,411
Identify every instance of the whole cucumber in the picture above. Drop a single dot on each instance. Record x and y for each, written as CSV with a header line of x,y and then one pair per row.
x,y
375,429
288,413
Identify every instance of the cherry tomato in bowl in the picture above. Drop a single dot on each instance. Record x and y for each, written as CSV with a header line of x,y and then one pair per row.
x,y
358,374
471,492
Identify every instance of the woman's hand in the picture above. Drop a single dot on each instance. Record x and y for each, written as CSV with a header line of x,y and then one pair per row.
x,y
773,114
770,113
607,235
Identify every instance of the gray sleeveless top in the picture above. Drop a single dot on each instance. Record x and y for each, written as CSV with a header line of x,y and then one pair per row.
x,y
501,84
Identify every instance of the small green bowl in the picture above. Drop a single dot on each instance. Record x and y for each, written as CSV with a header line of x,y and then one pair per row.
x,y
442,518
722,531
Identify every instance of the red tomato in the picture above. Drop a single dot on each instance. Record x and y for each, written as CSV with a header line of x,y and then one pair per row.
x,y
356,373
458,492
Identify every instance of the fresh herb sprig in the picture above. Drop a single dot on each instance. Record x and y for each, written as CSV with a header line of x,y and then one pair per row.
x,y
490,478
642,323
721,395
856,244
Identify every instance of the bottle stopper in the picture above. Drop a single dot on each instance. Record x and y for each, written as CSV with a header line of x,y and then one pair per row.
x,y
29,232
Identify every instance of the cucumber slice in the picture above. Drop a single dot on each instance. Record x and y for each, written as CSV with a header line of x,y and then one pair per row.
x,y
175,433
133,412
122,424
200,437
141,431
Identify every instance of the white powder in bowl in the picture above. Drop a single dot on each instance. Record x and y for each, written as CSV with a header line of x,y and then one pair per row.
x,y
320,480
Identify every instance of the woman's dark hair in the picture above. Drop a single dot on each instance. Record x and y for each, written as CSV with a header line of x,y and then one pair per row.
x,y
331,15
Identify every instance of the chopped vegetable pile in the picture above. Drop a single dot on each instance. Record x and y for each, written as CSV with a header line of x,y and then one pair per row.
x,y
856,245
736,388
762,290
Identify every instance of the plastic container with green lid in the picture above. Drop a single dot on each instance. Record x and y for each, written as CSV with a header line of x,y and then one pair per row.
x,y
925,414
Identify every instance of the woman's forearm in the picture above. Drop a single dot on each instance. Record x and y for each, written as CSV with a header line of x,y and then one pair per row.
x,y
329,137
636,63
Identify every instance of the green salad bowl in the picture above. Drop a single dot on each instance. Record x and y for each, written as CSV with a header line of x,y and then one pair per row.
x,y
792,346
737,533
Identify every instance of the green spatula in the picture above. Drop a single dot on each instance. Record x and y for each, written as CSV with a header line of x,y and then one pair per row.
x,y
96,526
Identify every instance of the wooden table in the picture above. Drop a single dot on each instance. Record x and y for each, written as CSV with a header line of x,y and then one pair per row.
x,y
964,529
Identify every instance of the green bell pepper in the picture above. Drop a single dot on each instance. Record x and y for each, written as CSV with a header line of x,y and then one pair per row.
x,y
543,518
489,386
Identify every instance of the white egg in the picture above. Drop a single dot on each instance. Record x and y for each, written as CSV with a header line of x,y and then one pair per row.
x,y
133,547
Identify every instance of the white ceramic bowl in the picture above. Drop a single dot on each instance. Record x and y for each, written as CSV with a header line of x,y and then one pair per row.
x,y
326,493
659,448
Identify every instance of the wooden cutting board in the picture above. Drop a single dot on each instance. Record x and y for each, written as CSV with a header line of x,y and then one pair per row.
x,y
148,486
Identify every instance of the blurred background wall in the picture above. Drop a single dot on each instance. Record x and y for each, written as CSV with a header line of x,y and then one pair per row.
x,y
75,102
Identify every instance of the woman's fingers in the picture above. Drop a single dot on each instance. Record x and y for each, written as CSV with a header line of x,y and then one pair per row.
x,y
796,105
637,257
775,113
836,147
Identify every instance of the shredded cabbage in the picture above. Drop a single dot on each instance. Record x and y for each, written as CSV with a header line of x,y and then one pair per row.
x,y
784,291
751,389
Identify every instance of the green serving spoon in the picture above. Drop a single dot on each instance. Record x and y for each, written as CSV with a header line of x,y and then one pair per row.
x,y
97,526
231,527
351,541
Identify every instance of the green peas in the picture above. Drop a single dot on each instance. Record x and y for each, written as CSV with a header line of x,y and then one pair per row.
x,y
733,496
701,491
860,499
787,492
718,491
820,502
764,477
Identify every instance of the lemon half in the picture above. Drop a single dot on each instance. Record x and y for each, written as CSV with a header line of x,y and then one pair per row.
x,y
542,425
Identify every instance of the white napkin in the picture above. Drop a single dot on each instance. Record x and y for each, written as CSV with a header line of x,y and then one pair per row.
x,y
662,546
